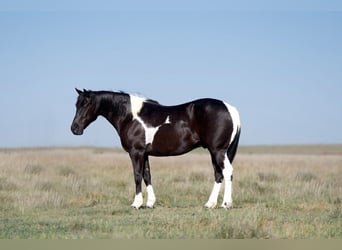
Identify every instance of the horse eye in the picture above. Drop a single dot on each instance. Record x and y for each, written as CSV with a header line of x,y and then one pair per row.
x,y
87,102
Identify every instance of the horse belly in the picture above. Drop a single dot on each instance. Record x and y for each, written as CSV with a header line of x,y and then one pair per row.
x,y
170,140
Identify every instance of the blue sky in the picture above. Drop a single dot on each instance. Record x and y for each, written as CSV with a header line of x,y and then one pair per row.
x,y
280,65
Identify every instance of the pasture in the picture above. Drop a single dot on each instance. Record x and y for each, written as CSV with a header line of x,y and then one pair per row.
x,y
291,192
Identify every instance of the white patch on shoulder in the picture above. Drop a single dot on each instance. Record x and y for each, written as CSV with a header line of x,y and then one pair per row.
x,y
149,132
235,118
136,105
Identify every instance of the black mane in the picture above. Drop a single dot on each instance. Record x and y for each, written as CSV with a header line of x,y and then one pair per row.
x,y
120,92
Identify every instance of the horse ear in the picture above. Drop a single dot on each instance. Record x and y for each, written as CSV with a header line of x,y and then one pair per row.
x,y
86,92
78,91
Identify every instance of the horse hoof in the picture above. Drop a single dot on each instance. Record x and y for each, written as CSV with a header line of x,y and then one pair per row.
x,y
227,205
210,205
138,201
135,207
150,204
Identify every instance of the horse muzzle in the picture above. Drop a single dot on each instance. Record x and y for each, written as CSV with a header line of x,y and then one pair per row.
x,y
76,129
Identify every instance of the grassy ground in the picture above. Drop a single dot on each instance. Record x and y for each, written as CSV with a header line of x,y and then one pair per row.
x,y
279,192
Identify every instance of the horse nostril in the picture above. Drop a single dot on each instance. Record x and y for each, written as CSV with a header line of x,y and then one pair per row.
x,y
74,128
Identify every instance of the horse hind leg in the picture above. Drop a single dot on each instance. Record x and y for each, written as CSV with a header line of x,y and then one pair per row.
x,y
212,201
228,181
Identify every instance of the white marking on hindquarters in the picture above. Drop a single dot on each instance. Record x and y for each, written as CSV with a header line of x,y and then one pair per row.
x,y
151,198
235,119
136,105
213,196
227,174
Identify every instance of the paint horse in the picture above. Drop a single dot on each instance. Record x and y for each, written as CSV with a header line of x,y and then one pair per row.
x,y
147,128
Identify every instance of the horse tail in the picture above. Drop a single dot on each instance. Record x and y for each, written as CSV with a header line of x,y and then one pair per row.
x,y
233,146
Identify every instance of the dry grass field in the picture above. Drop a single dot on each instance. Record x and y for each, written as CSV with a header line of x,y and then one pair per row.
x,y
279,192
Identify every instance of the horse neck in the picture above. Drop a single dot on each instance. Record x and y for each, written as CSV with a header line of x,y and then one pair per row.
x,y
114,107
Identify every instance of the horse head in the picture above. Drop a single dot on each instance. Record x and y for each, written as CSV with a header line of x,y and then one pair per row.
x,y
86,111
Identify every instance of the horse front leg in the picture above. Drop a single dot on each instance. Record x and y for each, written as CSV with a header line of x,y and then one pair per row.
x,y
151,198
138,166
